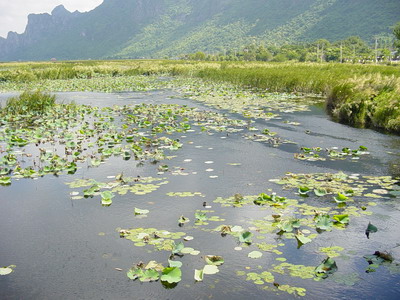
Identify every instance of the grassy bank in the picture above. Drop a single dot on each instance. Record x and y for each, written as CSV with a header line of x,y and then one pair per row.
x,y
358,95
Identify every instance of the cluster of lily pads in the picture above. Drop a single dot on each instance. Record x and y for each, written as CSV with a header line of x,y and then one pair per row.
x,y
295,219
315,153
69,135
99,83
72,136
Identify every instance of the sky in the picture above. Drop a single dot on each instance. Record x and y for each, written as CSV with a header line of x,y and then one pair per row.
x,y
14,13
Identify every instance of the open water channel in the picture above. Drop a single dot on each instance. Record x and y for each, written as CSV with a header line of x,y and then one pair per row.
x,y
64,246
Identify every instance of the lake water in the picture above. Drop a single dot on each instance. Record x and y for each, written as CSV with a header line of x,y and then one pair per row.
x,y
71,249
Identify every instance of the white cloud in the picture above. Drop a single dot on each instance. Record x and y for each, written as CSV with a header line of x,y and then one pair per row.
x,y
14,13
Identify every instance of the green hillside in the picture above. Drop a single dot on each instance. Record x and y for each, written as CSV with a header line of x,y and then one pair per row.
x,y
169,28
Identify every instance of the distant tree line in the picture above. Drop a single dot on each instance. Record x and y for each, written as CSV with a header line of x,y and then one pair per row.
x,y
385,48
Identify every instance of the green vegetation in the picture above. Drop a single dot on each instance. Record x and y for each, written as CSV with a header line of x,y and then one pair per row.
x,y
171,28
396,32
29,103
308,212
359,95
352,49
367,101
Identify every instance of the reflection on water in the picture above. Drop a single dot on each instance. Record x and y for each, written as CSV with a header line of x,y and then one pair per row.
x,y
70,249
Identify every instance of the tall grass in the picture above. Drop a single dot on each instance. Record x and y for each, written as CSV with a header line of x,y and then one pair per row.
x,y
367,101
29,104
359,95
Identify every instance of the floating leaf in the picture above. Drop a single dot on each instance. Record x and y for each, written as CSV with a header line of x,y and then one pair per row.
x,y
341,198
320,192
134,273
236,229
4,180
106,198
245,237
201,216
272,199
370,229
301,238
323,222
303,191
174,264
7,270
177,248
288,225
210,269
171,275
328,266
149,275
183,220
255,254
187,250
342,219
198,275
141,211
214,260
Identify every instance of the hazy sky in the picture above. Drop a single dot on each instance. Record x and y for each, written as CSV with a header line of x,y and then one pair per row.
x,y
14,13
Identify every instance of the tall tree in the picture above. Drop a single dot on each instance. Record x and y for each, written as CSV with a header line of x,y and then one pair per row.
x,y
396,32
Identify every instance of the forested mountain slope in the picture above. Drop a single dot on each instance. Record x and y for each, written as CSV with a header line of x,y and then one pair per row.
x,y
159,28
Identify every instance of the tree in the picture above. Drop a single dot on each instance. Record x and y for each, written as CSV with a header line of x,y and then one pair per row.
x,y
396,32
199,56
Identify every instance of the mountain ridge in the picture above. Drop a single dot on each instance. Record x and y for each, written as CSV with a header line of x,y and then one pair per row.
x,y
168,28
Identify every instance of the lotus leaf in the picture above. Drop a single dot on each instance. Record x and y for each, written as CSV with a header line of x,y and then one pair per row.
x,y
171,275
210,269
214,260
7,270
198,275
245,237
139,211
323,222
370,229
327,267
255,254
341,219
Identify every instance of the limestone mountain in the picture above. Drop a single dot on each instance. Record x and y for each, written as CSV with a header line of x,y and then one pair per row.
x,y
168,28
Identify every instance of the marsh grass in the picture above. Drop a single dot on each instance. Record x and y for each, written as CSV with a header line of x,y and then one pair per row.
x,y
29,103
359,95
371,101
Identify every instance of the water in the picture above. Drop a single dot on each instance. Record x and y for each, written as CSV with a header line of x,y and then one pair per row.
x,y
70,249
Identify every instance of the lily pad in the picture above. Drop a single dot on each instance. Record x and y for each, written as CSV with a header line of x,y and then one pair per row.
x,y
7,270
171,275
214,260
139,211
323,222
245,237
341,219
370,229
198,275
302,239
174,264
210,269
341,198
255,254
320,192
327,267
